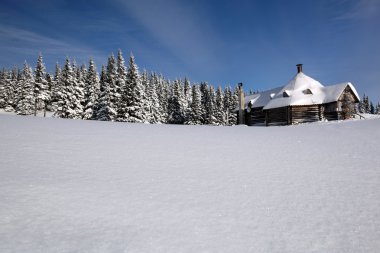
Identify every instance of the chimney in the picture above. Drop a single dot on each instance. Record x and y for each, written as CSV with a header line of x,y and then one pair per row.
x,y
241,104
299,68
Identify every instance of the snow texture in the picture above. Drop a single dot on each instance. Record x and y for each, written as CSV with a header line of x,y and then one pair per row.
x,y
301,90
90,186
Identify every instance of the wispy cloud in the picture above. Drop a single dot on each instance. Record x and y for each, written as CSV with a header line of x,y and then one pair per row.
x,y
179,28
360,9
21,41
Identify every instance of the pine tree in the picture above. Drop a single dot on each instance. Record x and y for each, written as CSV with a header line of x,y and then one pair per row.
x,y
147,106
176,105
3,85
77,98
210,107
10,85
40,86
230,104
114,89
25,105
372,108
66,95
90,91
56,87
162,93
104,109
219,107
132,104
205,96
155,111
120,81
187,91
195,110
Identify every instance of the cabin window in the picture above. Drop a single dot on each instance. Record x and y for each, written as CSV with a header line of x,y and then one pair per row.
x,y
285,94
307,92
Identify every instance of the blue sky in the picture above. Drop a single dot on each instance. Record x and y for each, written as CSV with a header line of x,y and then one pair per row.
x,y
222,42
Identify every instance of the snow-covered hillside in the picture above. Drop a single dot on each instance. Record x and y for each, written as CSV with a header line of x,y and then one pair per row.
x,y
85,186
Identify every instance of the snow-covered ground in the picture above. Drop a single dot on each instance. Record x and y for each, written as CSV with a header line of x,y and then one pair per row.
x,y
85,186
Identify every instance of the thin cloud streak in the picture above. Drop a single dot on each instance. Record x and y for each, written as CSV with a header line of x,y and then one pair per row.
x,y
20,41
179,28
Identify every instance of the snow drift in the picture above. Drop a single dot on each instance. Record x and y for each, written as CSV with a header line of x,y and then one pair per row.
x,y
84,186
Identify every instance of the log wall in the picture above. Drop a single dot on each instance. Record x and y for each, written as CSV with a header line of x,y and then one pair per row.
x,y
277,116
255,116
304,114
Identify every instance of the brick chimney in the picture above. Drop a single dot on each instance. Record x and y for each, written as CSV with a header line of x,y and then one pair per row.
x,y
241,104
299,68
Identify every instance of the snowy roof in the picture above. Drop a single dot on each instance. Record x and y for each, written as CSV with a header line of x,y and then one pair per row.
x,y
301,90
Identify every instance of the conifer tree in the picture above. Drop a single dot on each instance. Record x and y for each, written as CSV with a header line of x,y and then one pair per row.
x,y
205,96
25,104
155,111
176,106
66,95
40,86
90,91
187,91
195,109
104,110
162,94
132,103
114,89
219,107
210,107
3,87
56,87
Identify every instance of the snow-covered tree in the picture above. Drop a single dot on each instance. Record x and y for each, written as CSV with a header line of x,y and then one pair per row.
x,y
187,92
195,109
25,105
65,97
210,107
219,112
176,107
3,88
90,91
155,111
132,102
56,87
162,93
114,89
104,108
230,104
41,95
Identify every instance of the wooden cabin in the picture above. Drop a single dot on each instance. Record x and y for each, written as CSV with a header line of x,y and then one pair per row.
x,y
302,100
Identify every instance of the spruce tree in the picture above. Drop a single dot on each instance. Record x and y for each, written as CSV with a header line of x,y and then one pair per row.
x,y
176,105
104,110
114,89
210,107
219,107
90,91
56,87
155,111
3,85
132,104
25,104
65,96
40,86
195,110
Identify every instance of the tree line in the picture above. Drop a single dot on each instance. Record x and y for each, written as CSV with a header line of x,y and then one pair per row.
x,y
119,93
367,106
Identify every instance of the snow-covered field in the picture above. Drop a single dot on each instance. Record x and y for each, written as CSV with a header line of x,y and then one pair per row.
x,y
85,186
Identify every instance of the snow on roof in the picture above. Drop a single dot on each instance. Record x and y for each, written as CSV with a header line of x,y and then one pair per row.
x,y
260,99
301,90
